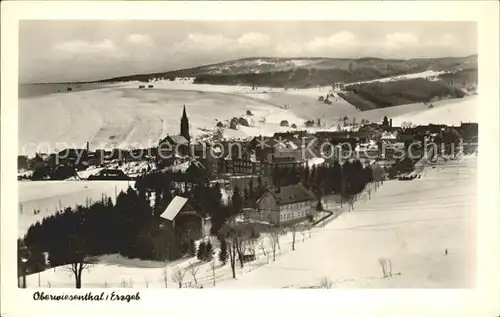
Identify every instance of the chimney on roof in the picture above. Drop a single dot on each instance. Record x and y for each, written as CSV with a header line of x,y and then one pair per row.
x,y
390,123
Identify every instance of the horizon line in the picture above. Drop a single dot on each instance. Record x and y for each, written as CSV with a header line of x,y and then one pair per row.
x,y
239,59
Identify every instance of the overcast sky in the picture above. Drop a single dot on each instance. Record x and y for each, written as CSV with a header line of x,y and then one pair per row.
x,y
51,51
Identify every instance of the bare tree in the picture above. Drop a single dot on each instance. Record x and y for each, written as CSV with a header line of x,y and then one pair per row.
x,y
251,245
124,284
351,204
231,248
238,242
236,237
390,268
178,276
325,282
77,265
274,239
193,270
261,244
165,277
212,266
277,238
382,263
303,235
407,125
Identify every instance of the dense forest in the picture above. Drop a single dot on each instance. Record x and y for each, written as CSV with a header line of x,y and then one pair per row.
x,y
389,94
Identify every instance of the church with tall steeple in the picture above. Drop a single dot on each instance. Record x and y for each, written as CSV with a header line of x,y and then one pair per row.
x,y
185,125
175,145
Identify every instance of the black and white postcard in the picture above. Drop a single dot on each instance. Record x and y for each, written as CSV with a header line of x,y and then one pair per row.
x,y
168,151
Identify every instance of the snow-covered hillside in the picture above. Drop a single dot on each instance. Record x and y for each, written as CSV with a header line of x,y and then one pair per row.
x,y
128,117
450,112
429,74
122,115
50,196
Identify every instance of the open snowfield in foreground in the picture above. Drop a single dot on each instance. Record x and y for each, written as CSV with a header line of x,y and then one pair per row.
x,y
50,196
411,223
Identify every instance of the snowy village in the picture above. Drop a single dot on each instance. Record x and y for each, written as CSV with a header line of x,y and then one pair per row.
x,y
252,173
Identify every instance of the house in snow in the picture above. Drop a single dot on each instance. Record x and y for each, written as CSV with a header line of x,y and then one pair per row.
x,y
286,203
389,137
109,174
181,216
338,86
172,146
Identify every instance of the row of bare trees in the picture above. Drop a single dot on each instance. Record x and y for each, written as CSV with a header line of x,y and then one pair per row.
x,y
242,239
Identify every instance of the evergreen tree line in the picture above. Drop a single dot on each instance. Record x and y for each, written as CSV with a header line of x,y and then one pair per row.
x,y
346,179
131,227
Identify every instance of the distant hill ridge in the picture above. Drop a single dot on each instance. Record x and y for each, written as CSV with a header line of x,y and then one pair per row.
x,y
305,72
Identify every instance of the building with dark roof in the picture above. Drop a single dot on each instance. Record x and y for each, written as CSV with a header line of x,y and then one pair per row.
x,y
181,216
109,174
285,203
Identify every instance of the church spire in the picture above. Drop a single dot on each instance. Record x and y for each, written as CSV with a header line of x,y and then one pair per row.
x,y
185,125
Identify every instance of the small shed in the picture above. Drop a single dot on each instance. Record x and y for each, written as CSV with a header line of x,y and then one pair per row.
x,y
189,222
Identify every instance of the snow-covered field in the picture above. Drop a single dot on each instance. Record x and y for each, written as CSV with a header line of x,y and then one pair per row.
x,y
121,115
450,112
430,74
410,223
50,196
131,117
